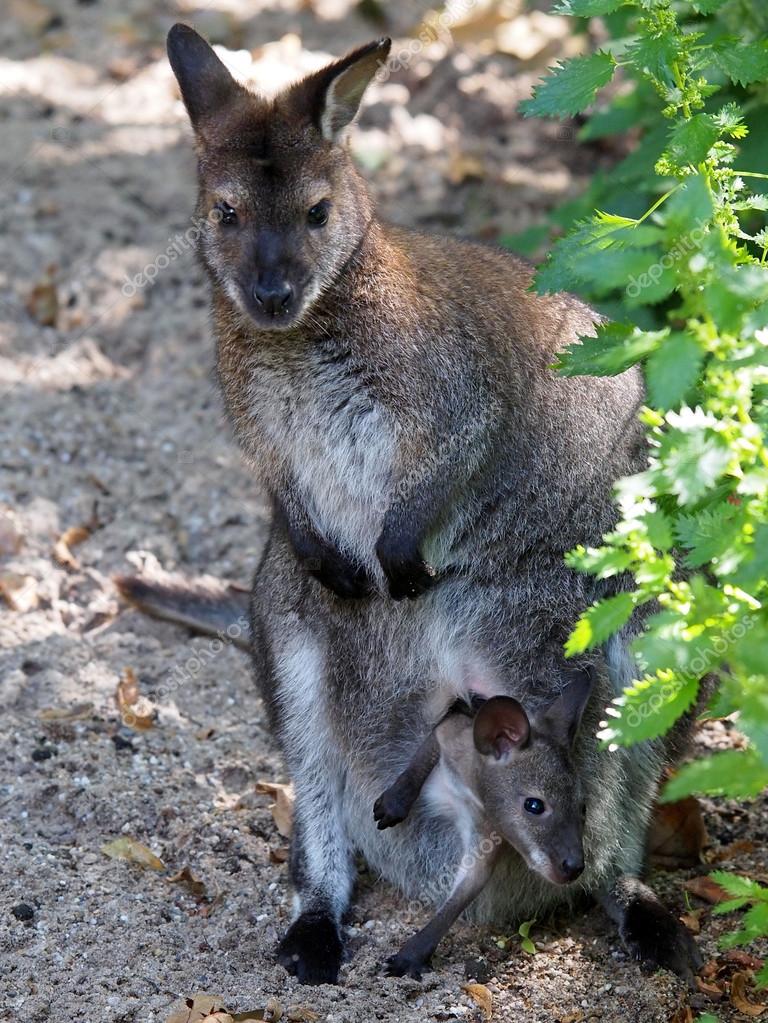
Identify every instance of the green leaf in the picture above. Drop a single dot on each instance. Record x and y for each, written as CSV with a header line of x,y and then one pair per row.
x,y
599,622
744,63
686,213
648,709
672,370
739,887
588,8
737,773
615,348
603,562
692,139
654,55
570,87
692,463
708,534
761,979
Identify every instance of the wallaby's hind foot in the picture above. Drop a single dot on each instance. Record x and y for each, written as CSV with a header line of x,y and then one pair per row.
x,y
312,949
652,935
405,965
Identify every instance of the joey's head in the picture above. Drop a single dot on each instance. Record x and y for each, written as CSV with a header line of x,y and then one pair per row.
x,y
281,208
528,779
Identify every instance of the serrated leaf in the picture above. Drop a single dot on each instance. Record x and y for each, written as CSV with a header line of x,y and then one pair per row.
x,y
599,622
692,463
654,55
739,887
615,348
570,87
708,533
602,562
648,709
737,773
744,63
691,140
672,370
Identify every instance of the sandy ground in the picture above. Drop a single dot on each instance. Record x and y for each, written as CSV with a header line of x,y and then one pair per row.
x,y
109,419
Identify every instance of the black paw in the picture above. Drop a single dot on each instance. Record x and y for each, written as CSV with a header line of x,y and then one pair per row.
x,y
311,949
389,810
655,938
404,965
408,574
342,577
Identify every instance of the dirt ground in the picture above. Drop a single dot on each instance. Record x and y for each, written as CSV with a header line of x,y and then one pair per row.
x,y
109,420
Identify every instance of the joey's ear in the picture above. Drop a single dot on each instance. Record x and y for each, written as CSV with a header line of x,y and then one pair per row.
x,y
562,718
206,85
332,95
501,725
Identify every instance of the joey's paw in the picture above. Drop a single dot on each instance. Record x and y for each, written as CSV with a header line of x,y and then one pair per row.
x,y
312,949
404,965
408,574
388,810
342,577
655,938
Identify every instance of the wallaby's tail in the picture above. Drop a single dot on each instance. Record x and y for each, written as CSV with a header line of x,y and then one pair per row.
x,y
206,605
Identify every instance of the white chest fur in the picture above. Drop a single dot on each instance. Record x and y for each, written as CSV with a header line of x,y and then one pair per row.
x,y
337,446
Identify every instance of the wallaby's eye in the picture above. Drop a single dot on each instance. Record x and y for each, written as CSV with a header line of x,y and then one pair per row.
x,y
534,806
225,214
318,214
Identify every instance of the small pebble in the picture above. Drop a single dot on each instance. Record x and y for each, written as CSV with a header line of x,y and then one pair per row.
x,y
23,911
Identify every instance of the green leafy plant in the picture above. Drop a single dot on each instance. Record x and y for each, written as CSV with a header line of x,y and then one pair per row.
x,y
687,281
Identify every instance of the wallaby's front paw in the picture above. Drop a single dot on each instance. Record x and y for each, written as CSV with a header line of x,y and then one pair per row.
x,y
408,574
656,939
312,949
343,578
404,965
389,810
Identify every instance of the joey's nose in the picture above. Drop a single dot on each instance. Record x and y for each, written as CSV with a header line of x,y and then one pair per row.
x,y
274,297
572,867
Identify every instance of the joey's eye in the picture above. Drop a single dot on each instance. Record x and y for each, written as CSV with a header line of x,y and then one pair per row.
x,y
225,213
534,806
317,215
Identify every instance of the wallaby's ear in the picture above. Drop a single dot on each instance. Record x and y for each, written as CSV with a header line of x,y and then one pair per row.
x,y
501,725
562,718
333,93
206,85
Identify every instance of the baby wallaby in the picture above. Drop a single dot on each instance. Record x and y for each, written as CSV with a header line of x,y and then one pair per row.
x,y
503,775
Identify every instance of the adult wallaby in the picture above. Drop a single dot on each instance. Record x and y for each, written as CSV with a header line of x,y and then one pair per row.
x,y
504,776
394,394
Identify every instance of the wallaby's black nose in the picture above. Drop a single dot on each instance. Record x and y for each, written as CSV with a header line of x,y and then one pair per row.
x,y
572,867
274,297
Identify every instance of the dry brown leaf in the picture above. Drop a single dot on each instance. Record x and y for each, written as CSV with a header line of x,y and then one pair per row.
x,y
739,983
707,889
43,300
19,591
683,1015
463,167
273,1011
197,1008
10,535
62,549
194,884
712,990
282,808
729,852
692,920
205,733
74,713
127,848
136,711
480,994
301,1014
218,1017
737,957
279,855
677,834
